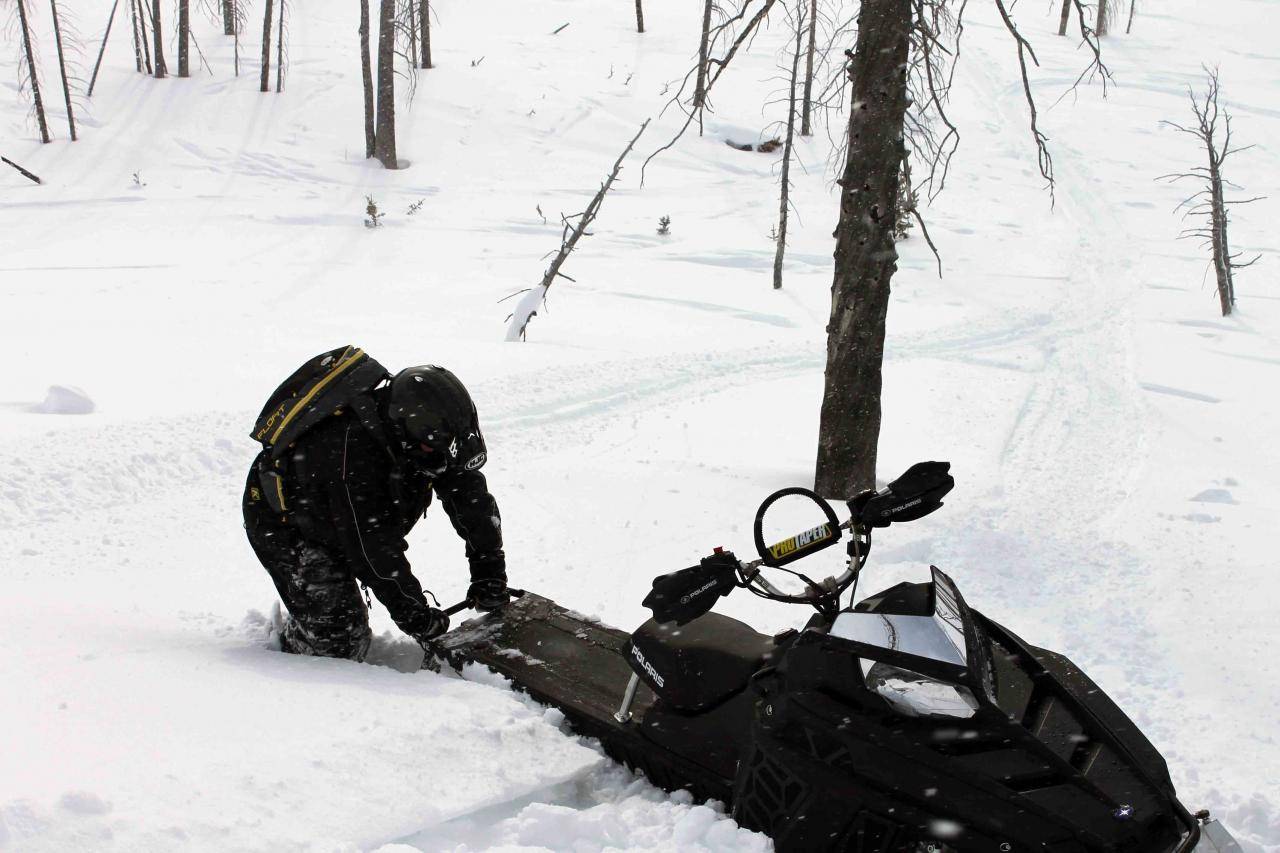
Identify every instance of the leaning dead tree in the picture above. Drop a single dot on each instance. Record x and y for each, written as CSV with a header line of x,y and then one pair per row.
x,y
28,175
531,300
97,66
901,44
710,68
62,68
1210,205
30,79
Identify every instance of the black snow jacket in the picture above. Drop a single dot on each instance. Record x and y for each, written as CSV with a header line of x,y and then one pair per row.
x,y
354,496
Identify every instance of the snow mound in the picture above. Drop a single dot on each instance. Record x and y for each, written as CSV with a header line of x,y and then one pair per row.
x,y
64,400
609,809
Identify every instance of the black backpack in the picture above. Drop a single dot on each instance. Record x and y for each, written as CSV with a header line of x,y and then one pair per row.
x,y
319,389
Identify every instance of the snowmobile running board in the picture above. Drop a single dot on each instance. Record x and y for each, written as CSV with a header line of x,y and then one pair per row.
x,y
579,665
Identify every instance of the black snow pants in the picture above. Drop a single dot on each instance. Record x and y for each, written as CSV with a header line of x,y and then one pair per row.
x,y
327,615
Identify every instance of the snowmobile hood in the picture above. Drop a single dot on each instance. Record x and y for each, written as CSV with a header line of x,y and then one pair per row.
x,y
1020,735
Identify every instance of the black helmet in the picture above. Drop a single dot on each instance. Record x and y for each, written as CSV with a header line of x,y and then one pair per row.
x,y
436,420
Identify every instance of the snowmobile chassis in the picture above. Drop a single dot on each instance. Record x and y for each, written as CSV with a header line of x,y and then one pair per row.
x,y
805,735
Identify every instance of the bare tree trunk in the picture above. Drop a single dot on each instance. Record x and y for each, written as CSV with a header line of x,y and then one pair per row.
x,y
133,25
62,68
280,48
264,77
228,18
184,36
527,308
1066,17
31,176
1211,202
93,81
367,74
1221,250
157,33
424,21
1133,4
384,142
805,128
146,37
235,12
865,257
1103,18
784,203
413,37
704,51
31,70
639,17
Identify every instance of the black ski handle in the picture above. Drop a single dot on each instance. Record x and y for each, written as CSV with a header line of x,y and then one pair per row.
x,y
465,604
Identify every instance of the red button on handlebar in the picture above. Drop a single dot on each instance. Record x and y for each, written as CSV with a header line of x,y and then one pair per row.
x,y
719,549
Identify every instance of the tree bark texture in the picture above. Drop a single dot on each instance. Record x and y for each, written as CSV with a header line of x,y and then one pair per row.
x,y
1218,226
424,22
133,25
367,75
865,257
639,17
184,38
280,48
31,176
102,51
264,81
31,69
62,68
704,51
1066,17
228,18
146,38
1104,17
157,33
384,142
806,129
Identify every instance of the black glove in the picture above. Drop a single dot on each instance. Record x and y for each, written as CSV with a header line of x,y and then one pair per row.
x,y
431,624
488,594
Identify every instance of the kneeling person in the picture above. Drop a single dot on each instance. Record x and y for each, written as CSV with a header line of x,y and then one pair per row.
x,y
352,458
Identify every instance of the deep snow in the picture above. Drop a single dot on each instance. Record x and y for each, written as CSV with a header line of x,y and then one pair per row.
x,y
1112,437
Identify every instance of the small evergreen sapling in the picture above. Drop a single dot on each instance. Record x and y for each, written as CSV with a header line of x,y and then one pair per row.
x,y
664,226
371,209
415,207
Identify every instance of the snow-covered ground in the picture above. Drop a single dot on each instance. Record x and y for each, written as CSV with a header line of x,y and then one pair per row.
x,y
1111,435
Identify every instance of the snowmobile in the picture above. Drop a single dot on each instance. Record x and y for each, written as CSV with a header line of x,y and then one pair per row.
x,y
906,722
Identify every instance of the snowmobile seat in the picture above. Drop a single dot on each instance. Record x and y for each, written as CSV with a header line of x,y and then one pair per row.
x,y
695,666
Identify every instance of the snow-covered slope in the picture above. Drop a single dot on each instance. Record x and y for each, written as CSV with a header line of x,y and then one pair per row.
x,y
1112,437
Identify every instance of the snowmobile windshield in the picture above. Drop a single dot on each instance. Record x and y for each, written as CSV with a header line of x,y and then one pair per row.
x,y
944,643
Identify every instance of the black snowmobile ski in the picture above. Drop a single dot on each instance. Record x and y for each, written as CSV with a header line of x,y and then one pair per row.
x,y
905,723
580,666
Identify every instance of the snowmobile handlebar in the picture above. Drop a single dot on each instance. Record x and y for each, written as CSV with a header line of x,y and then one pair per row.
x,y
686,594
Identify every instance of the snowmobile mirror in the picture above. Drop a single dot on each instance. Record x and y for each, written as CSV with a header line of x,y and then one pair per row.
x,y
918,492
685,595
801,544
